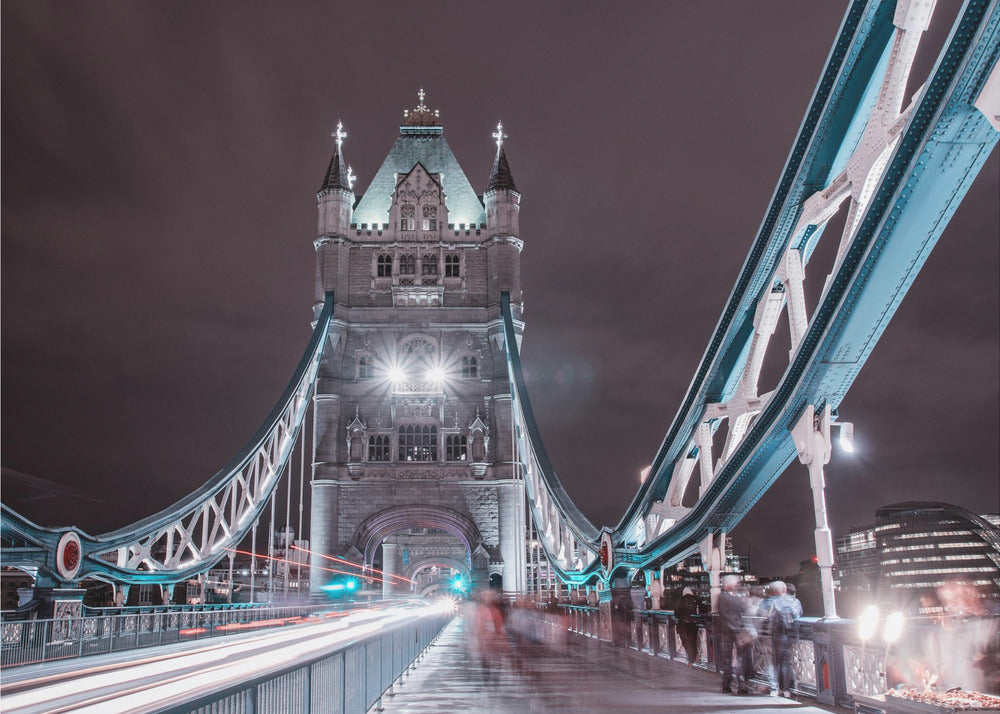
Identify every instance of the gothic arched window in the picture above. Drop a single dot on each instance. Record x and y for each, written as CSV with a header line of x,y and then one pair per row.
x,y
451,266
407,265
378,447
456,447
429,264
470,367
418,443
406,216
366,367
384,267
430,218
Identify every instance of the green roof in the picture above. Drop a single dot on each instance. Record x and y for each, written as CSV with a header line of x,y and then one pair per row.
x,y
428,146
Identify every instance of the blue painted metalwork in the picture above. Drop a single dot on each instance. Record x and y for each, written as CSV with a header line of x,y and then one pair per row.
x,y
194,533
945,143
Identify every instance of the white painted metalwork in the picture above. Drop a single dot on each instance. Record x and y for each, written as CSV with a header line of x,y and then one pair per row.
x,y
195,533
863,172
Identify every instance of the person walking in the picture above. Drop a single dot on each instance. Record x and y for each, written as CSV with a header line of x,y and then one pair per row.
x,y
782,611
686,613
734,632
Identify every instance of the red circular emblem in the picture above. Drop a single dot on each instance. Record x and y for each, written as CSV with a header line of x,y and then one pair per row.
x,y
71,555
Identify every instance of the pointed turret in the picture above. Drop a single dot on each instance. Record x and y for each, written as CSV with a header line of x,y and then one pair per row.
x,y
503,203
500,176
336,195
336,204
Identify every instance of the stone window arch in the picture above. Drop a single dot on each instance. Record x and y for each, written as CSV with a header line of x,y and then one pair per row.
x,y
378,447
407,264
456,447
452,266
383,266
366,367
407,214
418,442
430,214
429,264
470,367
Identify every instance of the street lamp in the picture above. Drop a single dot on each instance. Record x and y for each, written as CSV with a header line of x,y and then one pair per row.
x,y
846,436
868,623
436,374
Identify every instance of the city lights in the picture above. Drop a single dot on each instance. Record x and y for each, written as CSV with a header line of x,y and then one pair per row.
x,y
395,374
436,374
893,627
868,623
847,437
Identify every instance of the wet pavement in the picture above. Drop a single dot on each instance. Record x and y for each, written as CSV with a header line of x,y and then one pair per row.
x,y
580,676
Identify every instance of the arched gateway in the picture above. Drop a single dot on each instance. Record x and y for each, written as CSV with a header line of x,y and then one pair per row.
x,y
413,443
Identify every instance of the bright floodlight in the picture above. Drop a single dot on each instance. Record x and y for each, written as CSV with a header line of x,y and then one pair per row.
x,y
436,374
395,374
868,623
847,437
893,627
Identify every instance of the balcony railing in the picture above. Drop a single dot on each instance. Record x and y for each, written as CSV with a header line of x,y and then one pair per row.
x,y
831,662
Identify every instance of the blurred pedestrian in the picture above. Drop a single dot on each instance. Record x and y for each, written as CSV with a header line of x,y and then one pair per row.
x,y
782,611
734,633
686,613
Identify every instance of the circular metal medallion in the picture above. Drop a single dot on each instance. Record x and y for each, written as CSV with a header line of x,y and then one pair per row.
x,y
607,553
69,555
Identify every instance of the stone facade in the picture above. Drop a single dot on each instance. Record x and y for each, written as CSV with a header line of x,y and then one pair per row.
x,y
412,407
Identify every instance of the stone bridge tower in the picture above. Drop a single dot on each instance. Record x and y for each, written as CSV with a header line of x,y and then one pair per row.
x,y
413,441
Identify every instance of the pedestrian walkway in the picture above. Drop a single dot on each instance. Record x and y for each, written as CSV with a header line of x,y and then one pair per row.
x,y
585,676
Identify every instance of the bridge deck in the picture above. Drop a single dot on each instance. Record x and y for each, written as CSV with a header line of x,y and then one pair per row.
x,y
581,676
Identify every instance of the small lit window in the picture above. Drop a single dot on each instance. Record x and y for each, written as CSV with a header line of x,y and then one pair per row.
x,y
451,266
430,218
384,267
456,447
470,367
366,367
406,217
418,443
378,447
407,265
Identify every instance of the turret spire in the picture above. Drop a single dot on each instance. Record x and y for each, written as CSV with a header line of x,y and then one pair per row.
x,y
337,174
501,177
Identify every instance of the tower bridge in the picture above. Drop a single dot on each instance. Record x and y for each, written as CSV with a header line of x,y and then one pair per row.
x,y
425,452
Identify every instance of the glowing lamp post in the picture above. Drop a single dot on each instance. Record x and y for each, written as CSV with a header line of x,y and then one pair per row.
x,y
812,440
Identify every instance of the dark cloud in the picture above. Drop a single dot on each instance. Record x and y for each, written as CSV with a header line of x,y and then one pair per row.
x,y
159,166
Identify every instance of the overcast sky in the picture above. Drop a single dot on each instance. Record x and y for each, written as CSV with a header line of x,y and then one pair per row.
x,y
159,169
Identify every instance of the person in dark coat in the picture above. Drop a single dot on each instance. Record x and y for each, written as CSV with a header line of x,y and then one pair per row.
x,y
734,631
686,613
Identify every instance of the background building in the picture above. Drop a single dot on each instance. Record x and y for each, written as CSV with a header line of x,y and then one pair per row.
x,y
914,552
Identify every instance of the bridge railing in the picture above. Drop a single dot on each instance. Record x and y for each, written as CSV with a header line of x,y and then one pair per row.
x,y
349,680
830,660
43,640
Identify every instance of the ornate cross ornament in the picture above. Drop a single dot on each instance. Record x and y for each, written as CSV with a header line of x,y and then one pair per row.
x,y
499,135
351,178
339,135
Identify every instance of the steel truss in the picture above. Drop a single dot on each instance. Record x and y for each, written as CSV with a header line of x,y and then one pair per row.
x,y
193,534
901,168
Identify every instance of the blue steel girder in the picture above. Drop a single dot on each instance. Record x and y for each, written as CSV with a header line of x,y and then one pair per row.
x,y
193,534
940,143
830,129
945,144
